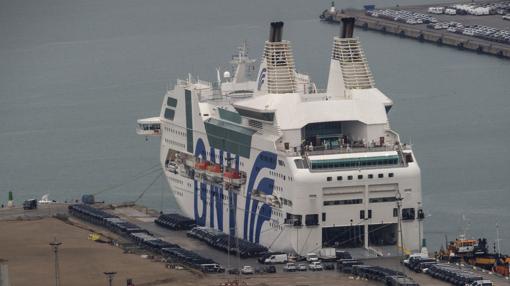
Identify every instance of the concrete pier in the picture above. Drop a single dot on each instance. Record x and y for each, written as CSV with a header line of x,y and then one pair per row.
x,y
419,32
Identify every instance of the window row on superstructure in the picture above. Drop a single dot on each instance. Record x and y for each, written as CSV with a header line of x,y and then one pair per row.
x,y
360,177
359,201
354,163
174,131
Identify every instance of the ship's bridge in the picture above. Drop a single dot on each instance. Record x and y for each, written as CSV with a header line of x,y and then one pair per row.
x,y
149,126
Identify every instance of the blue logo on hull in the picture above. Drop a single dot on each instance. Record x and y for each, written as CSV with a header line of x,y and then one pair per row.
x,y
265,160
253,221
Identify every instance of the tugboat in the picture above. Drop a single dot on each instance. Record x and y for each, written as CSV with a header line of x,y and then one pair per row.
x,y
476,252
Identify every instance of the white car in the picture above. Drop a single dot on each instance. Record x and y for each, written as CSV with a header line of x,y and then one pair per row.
x,y
290,267
315,266
312,257
301,267
481,283
247,270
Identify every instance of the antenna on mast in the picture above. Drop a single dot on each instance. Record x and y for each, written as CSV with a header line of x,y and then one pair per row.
x,y
497,238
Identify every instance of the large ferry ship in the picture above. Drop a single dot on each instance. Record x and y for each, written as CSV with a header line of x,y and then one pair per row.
x,y
267,157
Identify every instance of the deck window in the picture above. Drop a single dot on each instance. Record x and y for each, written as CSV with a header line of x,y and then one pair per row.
x,y
169,114
343,202
355,162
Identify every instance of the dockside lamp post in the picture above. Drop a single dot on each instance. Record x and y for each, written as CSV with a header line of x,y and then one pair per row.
x,y
54,245
399,199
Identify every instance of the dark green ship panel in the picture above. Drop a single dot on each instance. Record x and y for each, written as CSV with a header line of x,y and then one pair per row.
x,y
229,137
189,120
229,115
172,102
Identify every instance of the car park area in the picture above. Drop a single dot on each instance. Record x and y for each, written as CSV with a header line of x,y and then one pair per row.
x,y
178,249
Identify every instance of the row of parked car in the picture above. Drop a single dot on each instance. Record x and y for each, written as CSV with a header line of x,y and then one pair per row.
x,y
456,276
227,243
143,238
446,272
402,16
388,276
175,222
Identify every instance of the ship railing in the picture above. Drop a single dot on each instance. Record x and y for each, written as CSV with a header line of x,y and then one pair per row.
x,y
322,150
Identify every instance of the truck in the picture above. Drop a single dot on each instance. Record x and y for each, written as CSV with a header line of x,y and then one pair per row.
x,y
414,256
30,204
327,254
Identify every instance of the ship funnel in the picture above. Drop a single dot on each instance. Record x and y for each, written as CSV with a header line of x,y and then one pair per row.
x,y
347,27
277,72
275,33
349,68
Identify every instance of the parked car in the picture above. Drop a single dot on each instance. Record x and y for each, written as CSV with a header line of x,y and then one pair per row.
x,y
329,266
315,266
270,269
301,267
290,267
212,268
311,257
247,270
30,204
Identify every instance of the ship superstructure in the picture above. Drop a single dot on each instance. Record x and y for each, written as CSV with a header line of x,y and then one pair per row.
x,y
276,162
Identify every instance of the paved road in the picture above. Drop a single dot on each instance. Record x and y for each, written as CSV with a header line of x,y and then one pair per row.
x,y
45,210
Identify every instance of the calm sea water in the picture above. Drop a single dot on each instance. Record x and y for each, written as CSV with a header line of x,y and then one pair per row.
x,y
75,76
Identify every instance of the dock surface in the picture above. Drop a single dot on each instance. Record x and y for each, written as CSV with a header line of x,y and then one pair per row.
x,y
25,236
421,33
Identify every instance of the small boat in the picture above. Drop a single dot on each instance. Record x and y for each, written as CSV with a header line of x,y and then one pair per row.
x,y
214,173
201,167
232,178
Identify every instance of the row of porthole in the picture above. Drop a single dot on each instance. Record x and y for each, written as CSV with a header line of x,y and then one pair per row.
x,y
360,177
176,180
179,193
282,176
171,130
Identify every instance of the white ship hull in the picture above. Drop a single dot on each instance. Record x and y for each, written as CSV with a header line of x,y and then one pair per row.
x,y
275,162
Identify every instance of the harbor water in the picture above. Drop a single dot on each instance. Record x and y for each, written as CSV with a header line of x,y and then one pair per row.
x,y
76,75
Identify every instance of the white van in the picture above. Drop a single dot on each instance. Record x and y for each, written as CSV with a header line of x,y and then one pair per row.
x,y
276,258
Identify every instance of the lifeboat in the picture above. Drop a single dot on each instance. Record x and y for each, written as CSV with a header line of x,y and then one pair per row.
x,y
213,173
233,178
201,167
